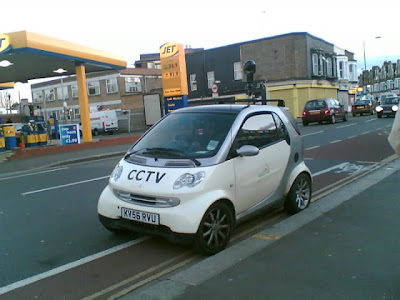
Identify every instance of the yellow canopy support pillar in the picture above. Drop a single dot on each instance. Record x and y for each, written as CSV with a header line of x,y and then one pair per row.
x,y
83,102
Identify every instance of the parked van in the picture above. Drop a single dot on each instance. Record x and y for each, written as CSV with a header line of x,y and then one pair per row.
x,y
104,121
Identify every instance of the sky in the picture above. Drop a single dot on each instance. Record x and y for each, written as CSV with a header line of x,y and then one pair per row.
x,y
129,28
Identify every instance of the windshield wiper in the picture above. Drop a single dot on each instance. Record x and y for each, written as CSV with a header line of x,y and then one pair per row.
x,y
162,150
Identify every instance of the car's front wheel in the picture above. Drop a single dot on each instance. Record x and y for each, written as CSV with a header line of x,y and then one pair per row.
x,y
299,196
215,229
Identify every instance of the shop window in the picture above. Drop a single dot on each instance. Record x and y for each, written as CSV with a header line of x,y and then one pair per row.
x,y
210,79
315,64
62,93
37,97
329,70
193,82
49,95
74,90
237,71
93,88
112,86
133,84
77,113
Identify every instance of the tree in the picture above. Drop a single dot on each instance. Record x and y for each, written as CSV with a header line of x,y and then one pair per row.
x,y
5,99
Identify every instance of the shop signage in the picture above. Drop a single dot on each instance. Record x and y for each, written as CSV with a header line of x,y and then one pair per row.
x,y
69,134
4,43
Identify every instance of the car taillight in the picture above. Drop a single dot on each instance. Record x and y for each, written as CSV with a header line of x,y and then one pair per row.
x,y
326,111
304,113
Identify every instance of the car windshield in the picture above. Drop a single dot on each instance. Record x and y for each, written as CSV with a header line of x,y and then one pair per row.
x,y
316,104
391,101
185,135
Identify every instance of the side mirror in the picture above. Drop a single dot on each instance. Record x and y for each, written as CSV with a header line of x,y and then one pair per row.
x,y
247,150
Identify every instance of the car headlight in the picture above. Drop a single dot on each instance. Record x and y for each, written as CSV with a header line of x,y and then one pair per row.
x,y
189,180
395,107
378,108
116,173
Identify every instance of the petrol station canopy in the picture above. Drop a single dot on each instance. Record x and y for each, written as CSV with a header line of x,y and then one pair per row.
x,y
32,56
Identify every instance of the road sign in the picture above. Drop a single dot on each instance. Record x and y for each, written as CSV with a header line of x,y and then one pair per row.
x,y
214,88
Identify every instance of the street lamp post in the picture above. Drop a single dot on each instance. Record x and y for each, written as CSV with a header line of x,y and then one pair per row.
x,y
365,61
60,71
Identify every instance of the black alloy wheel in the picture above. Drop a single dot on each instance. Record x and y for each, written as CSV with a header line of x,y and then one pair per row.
x,y
215,229
299,196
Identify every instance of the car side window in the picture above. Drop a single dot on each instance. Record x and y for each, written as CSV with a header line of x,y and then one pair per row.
x,y
260,130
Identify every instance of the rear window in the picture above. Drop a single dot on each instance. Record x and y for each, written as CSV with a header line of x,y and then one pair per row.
x,y
316,104
363,102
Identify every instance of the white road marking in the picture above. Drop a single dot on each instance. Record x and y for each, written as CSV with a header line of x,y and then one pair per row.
x,y
340,166
34,173
344,126
313,133
69,266
314,147
63,185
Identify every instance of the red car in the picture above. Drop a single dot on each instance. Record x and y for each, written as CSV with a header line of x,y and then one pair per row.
x,y
323,110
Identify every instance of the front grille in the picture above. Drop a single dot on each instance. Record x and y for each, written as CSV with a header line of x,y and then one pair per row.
x,y
150,201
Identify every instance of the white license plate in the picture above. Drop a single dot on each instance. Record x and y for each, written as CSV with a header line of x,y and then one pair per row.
x,y
140,216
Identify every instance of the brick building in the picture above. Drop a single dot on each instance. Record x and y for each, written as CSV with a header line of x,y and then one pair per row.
x,y
294,67
122,90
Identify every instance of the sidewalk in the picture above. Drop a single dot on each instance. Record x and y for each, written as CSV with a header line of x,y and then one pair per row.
x,y
345,246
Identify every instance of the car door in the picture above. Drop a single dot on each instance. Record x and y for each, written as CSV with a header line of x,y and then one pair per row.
x,y
257,177
339,109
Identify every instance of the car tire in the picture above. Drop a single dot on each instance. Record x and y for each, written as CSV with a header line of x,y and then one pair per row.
x,y
299,196
354,114
95,132
215,229
345,117
305,123
333,119
379,116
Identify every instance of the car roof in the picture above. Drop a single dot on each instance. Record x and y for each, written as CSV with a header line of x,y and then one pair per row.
x,y
226,108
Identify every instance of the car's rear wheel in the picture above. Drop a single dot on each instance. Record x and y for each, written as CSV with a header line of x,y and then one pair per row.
x,y
299,196
215,229
379,116
333,119
305,123
345,117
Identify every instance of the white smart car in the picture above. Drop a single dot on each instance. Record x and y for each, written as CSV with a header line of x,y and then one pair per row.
x,y
200,170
